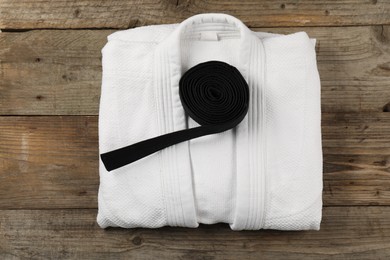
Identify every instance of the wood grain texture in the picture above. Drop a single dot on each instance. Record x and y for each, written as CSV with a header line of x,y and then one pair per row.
x,y
126,14
52,161
346,233
59,72
48,162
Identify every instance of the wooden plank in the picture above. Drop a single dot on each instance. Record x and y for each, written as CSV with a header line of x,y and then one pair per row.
x,y
346,233
52,162
125,14
59,72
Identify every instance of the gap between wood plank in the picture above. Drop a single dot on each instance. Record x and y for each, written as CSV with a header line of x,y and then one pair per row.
x,y
11,30
96,208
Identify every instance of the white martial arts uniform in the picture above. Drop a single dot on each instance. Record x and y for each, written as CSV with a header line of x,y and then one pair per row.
x,y
264,174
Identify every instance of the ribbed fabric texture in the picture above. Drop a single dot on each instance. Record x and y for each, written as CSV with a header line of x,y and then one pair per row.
x,y
265,173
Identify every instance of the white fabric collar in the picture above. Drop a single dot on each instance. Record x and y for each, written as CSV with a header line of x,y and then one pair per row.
x,y
209,21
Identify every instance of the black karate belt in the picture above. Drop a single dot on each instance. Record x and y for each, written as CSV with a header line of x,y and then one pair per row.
x,y
213,93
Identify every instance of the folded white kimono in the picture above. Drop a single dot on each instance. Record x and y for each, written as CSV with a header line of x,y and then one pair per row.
x,y
266,173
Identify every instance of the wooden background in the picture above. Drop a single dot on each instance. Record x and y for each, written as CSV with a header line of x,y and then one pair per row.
x,y
50,76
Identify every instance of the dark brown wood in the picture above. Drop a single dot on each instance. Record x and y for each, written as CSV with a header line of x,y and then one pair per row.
x,y
125,14
52,161
59,72
346,233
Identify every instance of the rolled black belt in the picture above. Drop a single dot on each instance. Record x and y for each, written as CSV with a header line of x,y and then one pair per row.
x,y
213,93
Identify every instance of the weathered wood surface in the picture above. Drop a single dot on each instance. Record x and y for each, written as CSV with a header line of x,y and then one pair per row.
x,y
346,233
52,162
48,162
49,94
125,14
59,72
